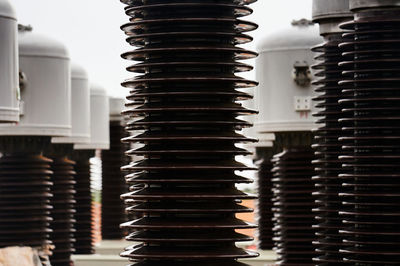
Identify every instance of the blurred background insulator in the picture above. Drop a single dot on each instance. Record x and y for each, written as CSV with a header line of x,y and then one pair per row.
x,y
113,184
264,201
329,14
293,201
84,234
25,200
284,98
63,212
371,134
184,109
88,172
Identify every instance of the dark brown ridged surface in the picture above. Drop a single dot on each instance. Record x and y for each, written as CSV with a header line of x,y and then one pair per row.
x,y
25,193
113,184
184,108
292,205
328,148
63,203
264,201
372,133
84,234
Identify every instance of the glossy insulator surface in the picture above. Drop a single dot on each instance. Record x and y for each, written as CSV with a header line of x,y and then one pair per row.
x,y
63,212
293,203
372,150
184,108
84,235
328,148
264,203
25,193
113,184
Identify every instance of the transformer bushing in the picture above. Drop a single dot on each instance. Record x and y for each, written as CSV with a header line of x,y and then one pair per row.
x,y
264,202
284,98
9,87
60,151
26,175
99,140
183,111
371,134
328,148
113,181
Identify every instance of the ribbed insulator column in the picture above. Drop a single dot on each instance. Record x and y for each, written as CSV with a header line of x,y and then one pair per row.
x,y
184,113
113,184
63,211
84,234
372,131
293,204
264,202
25,193
328,148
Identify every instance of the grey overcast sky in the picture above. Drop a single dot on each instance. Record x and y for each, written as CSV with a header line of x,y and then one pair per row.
x,y
90,30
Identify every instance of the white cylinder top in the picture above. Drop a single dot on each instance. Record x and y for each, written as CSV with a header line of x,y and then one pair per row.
x,y
99,120
283,69
38,45
80,98
7,10
300,36
45,108
9,85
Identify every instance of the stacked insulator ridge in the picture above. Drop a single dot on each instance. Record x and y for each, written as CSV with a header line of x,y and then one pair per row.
x,y
328,148
84,225
264,203
25,194
292,205
63,203
372,149
113,184
184,113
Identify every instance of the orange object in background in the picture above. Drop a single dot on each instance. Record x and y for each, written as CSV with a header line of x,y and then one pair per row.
x,y
248,217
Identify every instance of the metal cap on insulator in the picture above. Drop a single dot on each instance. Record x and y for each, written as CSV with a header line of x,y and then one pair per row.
x,y
45,108
265,140
117,105
330,14
80,100
9,88
99,120
363,4
283,69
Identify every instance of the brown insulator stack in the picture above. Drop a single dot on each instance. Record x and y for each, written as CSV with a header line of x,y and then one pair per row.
x,y
264,202
25,194
184,112
84,234
328,148
113,184
372,149
63,203
329,14
293,201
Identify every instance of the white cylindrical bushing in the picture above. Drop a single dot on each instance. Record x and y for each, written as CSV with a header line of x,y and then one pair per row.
x,y
46,94
80,100
99,120
9,87
283,68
